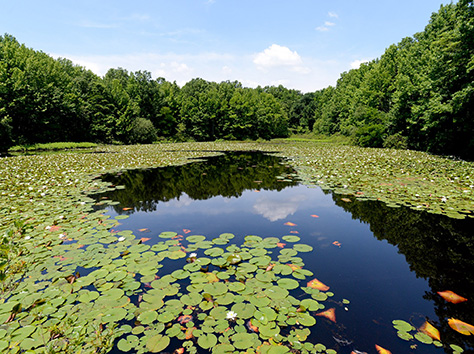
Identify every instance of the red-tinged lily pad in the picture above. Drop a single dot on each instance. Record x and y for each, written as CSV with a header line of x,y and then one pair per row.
x,y
281,244
314,216
452,297
144,230
316,284
294,232
381,350
461,327
337,244
430,330
289,223
186,231
144,239
329,314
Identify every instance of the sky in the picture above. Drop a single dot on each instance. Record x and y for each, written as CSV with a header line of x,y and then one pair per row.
x,y
300,44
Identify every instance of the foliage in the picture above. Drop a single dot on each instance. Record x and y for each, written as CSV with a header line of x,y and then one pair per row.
x,y
421,89
142,132
51,146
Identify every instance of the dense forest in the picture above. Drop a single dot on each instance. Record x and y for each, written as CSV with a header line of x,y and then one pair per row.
x,y
419,94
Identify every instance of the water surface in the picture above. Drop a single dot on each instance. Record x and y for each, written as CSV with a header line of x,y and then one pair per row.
x,y
388,262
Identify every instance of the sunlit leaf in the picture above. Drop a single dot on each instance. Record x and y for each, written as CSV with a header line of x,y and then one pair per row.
x,y
316,284
289,223
144,230
186,231
337,244
144,239
450,296
428,329
381,350
461,327
347,200
329,314
314,216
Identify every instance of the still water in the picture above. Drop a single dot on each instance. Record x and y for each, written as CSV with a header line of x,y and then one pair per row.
x,y
388,262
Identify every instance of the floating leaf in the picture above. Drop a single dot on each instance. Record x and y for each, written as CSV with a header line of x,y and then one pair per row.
x,y
423,338
347,200
450,296
337,244
289,223
381,350
291,238
207,341
316,284
428,329
314,216
461,327
329,314
157,343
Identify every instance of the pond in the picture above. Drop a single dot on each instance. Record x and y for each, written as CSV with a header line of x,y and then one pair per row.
x,y
379,263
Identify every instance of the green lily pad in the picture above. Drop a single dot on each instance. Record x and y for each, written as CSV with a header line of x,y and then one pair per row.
x,y
157,343
207,341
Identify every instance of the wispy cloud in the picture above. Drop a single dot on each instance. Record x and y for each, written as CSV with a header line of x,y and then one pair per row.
x,y
327,24
89,24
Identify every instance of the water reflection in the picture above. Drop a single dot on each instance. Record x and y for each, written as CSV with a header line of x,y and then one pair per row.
x,y
278,207
436,248
228,176
235,193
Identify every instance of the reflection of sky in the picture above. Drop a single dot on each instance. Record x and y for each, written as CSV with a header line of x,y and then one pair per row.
x,y
278,206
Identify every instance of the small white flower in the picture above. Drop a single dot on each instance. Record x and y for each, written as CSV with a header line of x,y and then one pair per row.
x,y
193,255
61,216
43,194
231,315
62,236
83,203
444,199
47,227
121,238
27,237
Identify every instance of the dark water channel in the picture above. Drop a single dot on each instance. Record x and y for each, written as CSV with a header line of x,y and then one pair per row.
x,y
388,262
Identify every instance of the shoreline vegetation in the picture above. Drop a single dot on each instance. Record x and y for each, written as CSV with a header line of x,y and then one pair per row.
x,y
418,95
46,218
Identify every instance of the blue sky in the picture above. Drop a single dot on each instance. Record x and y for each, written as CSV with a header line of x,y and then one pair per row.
x,y
301,44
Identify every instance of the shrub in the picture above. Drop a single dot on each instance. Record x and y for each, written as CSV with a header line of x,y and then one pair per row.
x,y
370,135
143,132
396,141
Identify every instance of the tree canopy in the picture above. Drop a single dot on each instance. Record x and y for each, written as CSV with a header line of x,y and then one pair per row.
x,y
419,94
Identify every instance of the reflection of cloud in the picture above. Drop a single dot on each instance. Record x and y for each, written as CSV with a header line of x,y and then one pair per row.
x,y
182,201
276,208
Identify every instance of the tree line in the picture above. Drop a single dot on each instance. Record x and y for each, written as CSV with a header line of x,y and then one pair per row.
x,y
419,94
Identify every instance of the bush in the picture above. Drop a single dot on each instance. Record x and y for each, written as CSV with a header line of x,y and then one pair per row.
x,y
370,135
396,141
143,132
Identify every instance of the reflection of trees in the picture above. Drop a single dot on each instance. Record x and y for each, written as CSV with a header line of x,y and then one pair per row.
x,y
437,248
228,175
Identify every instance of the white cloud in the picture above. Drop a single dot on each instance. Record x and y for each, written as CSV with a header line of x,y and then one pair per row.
x,y
333,14
277,55
329,24
322,29
357,63
306,74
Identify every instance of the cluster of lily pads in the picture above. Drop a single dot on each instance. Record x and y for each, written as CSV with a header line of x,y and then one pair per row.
x,y
71,283
397,177
226,298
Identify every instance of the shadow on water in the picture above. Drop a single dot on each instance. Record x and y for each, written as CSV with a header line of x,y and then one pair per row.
x,y
369,268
